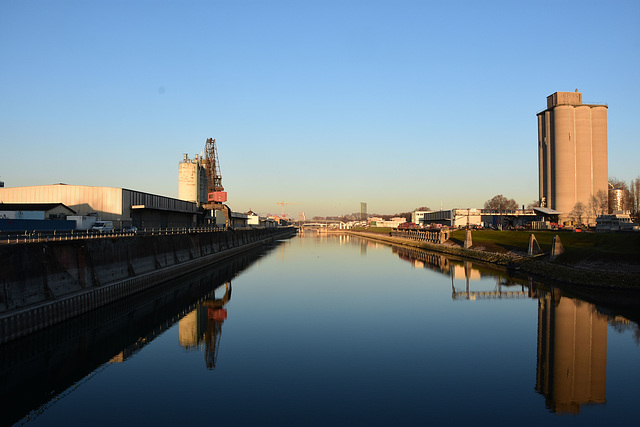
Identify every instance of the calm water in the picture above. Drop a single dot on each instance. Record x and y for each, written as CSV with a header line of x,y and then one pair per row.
x,y
332,330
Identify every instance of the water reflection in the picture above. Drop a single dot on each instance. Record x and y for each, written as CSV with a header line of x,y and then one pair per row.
x,y
572,353
571,344
203,326
572,334
458,269
40,369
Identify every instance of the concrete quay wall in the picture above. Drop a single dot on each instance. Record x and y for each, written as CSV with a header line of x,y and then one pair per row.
x,y
48,282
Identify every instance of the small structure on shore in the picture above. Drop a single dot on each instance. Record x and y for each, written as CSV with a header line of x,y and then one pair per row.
x,y
534,247
556,248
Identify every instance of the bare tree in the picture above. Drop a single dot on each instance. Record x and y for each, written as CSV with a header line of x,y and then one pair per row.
x,y
534,204
577,213
593,208
602,201
634,196
618,183
500,202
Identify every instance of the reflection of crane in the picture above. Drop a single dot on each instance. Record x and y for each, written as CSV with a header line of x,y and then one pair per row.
x,y
285,203
216,315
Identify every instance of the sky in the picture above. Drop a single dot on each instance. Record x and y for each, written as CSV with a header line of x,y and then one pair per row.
x,y
325,104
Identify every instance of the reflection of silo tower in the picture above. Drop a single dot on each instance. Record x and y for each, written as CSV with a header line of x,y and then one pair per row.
x,y
618,200
192,180
191,328
572,152
572,353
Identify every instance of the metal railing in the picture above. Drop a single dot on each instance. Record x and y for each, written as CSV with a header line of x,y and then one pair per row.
x,y
35,236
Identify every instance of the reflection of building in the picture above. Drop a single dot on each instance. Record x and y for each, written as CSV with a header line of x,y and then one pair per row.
x,y
203,327
191,328
572,353
465,271
572,152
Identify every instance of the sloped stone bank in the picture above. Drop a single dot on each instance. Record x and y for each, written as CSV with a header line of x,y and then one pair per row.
x,y
605,277
45,283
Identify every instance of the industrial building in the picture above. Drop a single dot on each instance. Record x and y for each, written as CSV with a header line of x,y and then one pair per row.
x,y
450,217
200,182
37,211
192,180
34,216
618,200
200,203
572,152
460,218
122,206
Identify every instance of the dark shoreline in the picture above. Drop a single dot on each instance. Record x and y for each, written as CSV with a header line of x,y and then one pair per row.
x,y
601,279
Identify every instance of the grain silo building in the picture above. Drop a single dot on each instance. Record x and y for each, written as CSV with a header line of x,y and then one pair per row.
x,y
192,180
572,152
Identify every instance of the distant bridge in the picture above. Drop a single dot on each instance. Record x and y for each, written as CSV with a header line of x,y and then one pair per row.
x,y
322,223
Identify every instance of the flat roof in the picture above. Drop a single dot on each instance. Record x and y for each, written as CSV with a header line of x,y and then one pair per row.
x,y
547,211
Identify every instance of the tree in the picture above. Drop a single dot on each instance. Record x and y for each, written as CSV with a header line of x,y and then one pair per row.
x,y
593,208
534,204
618,183
634,196
577,213
602,200
422,209
501,203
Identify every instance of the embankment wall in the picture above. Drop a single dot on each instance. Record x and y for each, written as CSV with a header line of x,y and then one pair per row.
x,y
47,282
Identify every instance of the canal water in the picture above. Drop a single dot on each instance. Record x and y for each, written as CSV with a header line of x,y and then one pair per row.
x,y
333,330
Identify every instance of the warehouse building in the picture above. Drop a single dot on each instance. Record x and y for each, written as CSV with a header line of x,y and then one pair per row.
x,y
122,206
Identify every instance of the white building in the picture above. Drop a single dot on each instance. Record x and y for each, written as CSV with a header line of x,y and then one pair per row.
x,y
417,217
616,222
192,180
451,217
253,219
393,222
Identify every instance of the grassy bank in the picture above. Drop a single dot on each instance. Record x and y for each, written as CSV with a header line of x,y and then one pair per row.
x,y
618,248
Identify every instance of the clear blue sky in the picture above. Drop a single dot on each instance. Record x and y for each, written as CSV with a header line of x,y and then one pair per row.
x,y
399,104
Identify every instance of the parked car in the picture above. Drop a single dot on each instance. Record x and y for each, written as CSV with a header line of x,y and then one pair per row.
x,y
103,226
131,229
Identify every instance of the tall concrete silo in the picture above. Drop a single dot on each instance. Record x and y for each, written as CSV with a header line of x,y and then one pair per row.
x,y
572,152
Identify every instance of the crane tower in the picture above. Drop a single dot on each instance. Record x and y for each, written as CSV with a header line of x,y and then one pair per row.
x,y
214,176
219,213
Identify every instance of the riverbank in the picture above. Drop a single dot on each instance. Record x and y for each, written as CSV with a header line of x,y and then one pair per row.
x,y
596,268
45,283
